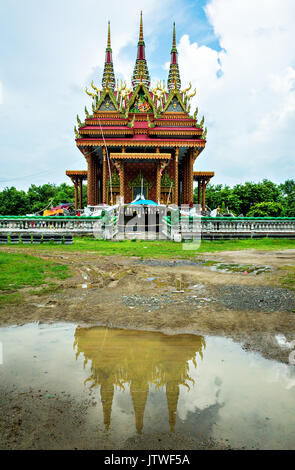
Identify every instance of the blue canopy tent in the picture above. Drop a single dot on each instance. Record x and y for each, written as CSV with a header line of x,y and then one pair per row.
x,y
144,202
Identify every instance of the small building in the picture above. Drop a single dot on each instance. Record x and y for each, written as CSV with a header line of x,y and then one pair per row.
x,y
140,139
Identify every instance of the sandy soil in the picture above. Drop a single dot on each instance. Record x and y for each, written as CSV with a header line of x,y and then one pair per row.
x,y
130,293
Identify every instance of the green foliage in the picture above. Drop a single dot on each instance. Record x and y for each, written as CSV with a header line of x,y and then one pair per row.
x,y
14,202
266,209
243,197
288,194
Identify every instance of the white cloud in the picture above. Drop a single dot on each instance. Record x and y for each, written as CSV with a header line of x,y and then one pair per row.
x,y
250,108
53,53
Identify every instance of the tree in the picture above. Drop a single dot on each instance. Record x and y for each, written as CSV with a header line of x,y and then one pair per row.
x,y
37,198
266,209
13,202
288,197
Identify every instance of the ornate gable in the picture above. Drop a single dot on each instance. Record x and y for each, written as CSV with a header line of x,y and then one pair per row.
x,y
107,102
141,101
140,180
174,103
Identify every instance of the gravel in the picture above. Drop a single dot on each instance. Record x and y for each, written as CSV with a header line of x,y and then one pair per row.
x,y
155,302
264,298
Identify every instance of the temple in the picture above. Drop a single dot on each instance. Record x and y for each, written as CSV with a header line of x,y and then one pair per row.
x,y
140,140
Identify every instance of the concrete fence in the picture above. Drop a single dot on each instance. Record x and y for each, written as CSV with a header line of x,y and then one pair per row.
x,y
166,226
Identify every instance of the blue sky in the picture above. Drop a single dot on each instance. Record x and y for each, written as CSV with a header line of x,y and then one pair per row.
x,y
235,52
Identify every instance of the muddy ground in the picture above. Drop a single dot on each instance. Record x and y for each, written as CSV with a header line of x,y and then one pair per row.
x,y
214,295
30,421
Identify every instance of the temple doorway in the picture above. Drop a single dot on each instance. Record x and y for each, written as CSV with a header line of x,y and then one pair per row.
x,y
140,190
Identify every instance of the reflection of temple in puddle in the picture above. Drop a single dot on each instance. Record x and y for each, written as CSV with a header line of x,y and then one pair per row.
x,y
138,359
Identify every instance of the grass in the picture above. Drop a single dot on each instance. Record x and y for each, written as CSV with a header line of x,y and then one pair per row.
x,y
21,270
161,249
288,278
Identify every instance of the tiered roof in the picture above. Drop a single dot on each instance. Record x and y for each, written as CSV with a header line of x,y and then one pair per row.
x,y
141,116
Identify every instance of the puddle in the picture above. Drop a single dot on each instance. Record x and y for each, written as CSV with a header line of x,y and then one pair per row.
x,y
173,284
148,383
240,268
213,265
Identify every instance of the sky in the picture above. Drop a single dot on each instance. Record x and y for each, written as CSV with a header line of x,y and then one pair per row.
x,y
238,54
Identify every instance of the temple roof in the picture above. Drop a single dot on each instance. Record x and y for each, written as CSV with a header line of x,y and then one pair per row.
x,y
138,111
140,156
141,125
203,174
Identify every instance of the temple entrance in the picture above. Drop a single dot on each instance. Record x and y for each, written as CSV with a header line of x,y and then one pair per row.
x,y
116,193
140,185
166,196
140,190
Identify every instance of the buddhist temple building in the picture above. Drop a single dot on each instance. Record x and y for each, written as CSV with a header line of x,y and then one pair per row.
x,y
142,139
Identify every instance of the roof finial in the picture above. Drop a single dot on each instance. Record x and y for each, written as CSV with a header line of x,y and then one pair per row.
x,y
174,82
141,28
174,37
109,35
108,79
141,73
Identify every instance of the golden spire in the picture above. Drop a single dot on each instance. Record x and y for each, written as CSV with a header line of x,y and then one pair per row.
x,y
174,37
109,35
141,28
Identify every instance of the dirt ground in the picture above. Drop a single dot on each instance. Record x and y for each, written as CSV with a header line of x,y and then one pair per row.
x,y
30,422
215,295
172,297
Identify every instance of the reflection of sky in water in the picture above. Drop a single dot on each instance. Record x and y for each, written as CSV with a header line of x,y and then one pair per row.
x,y
236,395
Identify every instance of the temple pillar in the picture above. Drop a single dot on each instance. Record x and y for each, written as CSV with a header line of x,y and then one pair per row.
x,y
122,179
185,180
199,191
158,182
81,192
190,177
89,178
176,176
104,176
204,195
76,193
92,179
